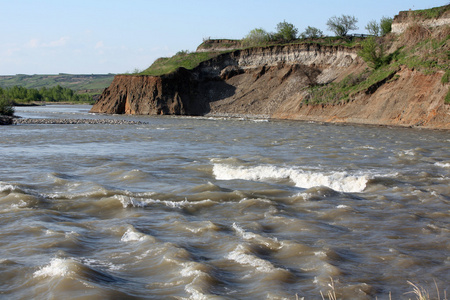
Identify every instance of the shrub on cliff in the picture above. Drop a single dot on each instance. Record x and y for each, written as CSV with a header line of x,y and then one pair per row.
x,y
372,52
286,31
383,28
256,37
311,32
385,25
342,25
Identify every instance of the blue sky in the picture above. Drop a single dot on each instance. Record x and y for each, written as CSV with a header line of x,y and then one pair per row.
x,y
116,36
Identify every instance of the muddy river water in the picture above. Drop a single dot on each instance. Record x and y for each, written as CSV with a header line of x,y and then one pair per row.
x,y
220,208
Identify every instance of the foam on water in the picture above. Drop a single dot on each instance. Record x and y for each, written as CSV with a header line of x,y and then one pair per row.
x,y
442,165
133,236
338,181
56,267
142,202
242,256
271,243
6,187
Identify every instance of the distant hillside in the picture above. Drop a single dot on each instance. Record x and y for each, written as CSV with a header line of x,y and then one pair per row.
x,y
92,84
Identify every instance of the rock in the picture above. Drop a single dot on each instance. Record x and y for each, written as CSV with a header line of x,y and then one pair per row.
x,y
6,120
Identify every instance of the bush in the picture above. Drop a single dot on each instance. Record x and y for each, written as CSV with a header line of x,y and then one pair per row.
x,y
385,25
311,32
372,52
181,52
286,31
256,37
6,106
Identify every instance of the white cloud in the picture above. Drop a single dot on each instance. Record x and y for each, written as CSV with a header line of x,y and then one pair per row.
x,y
35,43
99,45
58,43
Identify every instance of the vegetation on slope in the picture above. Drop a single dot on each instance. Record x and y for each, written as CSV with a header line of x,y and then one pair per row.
x,y
417,48
182,59
432,13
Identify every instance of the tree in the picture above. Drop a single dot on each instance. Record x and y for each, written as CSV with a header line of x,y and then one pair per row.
x,y
372,52
256,37
311,32
342,25
286,31
385,25
373,28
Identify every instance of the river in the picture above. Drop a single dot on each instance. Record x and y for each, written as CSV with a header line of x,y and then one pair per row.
x,y
220,208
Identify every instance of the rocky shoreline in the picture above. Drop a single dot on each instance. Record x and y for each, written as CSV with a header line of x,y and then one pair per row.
x,y
74,121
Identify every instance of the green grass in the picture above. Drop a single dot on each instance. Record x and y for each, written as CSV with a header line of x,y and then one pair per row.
x,y
343,91
426,56
185,60
446,77
432,13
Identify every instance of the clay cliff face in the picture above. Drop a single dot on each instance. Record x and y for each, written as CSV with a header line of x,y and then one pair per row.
x,y
273,81
149,95
251,81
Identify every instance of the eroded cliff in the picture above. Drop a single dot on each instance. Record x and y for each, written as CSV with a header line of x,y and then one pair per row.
x,y
276,82
250,81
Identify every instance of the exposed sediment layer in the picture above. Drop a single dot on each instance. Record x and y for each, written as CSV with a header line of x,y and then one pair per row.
x,y
406,18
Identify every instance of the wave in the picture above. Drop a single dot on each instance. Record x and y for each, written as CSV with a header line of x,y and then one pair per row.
x,y
243,256
7,187
132,236
442,165
57,267
338,181
142,202
270,243
79,271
